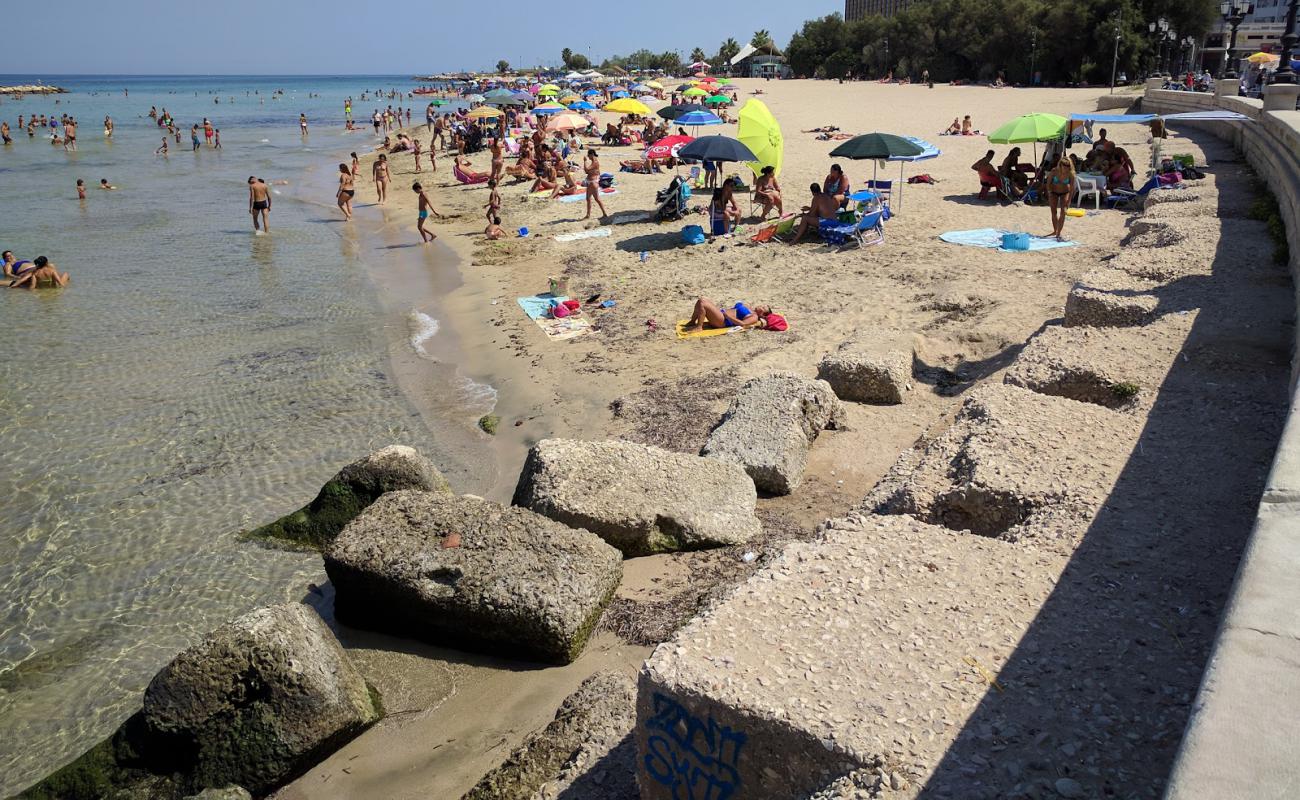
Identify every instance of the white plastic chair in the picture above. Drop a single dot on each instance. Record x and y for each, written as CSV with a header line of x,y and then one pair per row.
x,y
1088,186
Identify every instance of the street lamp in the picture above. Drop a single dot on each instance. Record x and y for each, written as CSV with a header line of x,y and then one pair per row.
x,y
1234,13
1285,74
1188,51
1157,30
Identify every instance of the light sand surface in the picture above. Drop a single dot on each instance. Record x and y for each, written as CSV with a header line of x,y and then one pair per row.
x,y
965,313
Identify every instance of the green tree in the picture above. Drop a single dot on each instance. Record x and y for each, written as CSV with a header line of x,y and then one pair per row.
x,y
503,66
727,52
697,55
579,62
566,55
761,39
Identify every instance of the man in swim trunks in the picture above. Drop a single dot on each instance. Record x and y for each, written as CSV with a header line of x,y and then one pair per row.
x,y
4,133
70,134
259,202
426,208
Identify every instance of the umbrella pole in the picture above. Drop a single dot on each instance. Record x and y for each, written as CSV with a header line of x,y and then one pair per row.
x,y
900,185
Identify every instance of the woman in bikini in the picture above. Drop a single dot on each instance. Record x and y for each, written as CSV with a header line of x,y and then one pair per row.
x,y
837,185
346,190
356,166
498,160
591,164
768,192
380,177
1060,185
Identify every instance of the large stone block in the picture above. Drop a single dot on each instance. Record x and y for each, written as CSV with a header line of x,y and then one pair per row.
x,y
857,374
1110,298
770,426
257,701
841,655
468,572
638,498
349,492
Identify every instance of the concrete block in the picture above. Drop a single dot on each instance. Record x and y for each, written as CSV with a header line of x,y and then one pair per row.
x,y
857,374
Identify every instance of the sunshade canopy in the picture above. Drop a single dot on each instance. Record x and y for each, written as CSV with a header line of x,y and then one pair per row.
x,y
877,146
698,117
484,112
717,148
1030,128
627,105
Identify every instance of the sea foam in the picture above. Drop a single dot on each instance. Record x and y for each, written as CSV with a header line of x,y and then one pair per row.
x,y
423,328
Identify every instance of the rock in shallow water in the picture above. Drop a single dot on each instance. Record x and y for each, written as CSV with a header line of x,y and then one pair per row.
x,y
351,491
516,582
638,498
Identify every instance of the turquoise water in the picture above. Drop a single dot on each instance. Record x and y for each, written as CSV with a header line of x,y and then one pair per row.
x,y
193,381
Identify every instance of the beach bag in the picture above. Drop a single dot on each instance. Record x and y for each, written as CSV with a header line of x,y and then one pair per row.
x,y
693,234
606,180
923,178
776,322
1015,241
1170,178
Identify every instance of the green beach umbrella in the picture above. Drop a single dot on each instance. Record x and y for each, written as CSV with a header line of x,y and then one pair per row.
x,y
694,91
719,100
1030,128
877,147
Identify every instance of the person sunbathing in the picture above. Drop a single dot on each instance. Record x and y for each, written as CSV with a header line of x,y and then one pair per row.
x,y
568,187
709,315
824,129
524,170
467,169
43,273
833,137
823,206
768,192
954,129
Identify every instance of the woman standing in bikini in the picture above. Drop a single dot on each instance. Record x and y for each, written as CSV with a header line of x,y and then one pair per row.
x,y
347,190
380,177
591,164
1060,185
498,159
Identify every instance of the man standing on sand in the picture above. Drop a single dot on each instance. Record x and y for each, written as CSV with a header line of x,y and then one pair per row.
x,y
591,165
259,201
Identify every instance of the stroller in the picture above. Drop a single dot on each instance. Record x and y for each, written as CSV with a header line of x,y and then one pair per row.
x,y
672,201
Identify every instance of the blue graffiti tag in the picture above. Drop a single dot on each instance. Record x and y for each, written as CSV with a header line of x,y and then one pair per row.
x,y
693,758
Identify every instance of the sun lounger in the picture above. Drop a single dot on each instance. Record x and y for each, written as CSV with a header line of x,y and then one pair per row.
x,y
461,177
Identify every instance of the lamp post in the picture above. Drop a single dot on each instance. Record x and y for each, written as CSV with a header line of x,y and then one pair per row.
x,y
1234,13
1157,30
1033,57
1114,62
1170,37
1284,73
1189,54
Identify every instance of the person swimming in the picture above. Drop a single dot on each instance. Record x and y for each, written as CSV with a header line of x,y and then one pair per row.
x,y
13,268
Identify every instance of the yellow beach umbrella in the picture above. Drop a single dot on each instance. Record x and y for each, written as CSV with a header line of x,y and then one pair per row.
x,y
550,87
1263,58
758,130
484,112
570,98
654,84
548,92
627,105
695,91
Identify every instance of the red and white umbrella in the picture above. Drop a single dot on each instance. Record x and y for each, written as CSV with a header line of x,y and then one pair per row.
x,y
668,146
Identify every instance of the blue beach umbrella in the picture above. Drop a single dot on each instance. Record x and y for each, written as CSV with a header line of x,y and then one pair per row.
x,y
590,93
582,105
695,119
621,94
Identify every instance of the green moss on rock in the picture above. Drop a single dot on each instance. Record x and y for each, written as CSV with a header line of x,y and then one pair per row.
x,y
489,423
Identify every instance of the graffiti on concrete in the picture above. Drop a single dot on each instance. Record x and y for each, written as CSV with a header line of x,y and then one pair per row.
x,y
694,758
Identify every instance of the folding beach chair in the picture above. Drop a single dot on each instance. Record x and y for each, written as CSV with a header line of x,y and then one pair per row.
x,y
868,230
1127,198
882,188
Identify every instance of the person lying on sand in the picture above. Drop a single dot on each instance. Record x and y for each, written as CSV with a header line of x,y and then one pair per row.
x,y
468,169
824,129
823,206
43,272
708,315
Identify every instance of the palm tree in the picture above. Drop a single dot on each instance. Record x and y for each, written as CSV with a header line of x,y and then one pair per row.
x,y
566,55
503,66
761,39
728,51
697,55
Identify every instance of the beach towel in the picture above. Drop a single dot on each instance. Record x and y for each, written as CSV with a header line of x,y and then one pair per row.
x,y
575,198
992,238
465,179
596,233
537,307
683,334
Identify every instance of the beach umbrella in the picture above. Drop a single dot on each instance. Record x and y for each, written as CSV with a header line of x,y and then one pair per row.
x,y
654,84
497,94
484,112
474,98
697,118
724,81
627,105
591,92
582,105
618,88
534,89
718,100
668,146
567,121
877,147
544,92
685,86
569,99
759,131
549,108
437,101
701,75
928,151
717,148
1030,128
1263,58
617,95
550,87
675,111
505,101
695,91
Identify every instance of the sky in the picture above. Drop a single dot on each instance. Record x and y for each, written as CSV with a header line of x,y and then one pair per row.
x,y
334,38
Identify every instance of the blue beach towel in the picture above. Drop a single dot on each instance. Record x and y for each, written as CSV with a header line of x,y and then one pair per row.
x,y
537,305
992,238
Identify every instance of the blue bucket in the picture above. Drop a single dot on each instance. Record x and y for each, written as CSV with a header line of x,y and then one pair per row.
x,y
1015,241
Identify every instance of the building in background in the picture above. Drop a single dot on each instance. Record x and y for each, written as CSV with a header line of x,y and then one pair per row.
x,y
857,9
759,62
1260,31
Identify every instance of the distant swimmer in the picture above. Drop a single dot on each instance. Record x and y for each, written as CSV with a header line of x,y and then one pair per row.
x,y
105,185
347,190
108,127
302,123
259,202
81,189
4,133
426,208
42,273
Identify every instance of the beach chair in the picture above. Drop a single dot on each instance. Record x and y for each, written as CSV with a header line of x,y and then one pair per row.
x,y
990,179
672,201
883,189
1128,198
868,230
1083,187
462,178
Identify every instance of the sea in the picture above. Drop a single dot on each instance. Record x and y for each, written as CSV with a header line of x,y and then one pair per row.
x,y
194,381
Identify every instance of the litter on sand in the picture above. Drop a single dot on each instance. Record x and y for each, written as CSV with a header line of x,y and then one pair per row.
x,y
992,238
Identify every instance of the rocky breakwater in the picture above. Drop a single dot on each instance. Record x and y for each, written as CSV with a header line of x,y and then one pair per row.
x,y
350,492
466,572
640,499
33,88
253,705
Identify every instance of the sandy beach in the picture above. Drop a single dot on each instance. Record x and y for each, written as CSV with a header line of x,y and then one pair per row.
x,y
963,313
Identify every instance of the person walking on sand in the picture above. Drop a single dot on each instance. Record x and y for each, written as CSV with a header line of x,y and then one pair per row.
x,y
379,174
591,165
347,190
426,208
302,123
259,202
415,151
1060,185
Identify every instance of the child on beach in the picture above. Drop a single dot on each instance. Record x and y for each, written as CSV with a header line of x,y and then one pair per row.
x,y
415,151
105,185
356,166
162,151
216,139
81,189
493,230
494,201
426,208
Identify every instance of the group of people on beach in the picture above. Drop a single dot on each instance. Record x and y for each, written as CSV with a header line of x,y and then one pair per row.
x,y
33,274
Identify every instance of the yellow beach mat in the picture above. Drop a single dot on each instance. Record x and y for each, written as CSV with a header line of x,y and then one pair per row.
x,y
682,333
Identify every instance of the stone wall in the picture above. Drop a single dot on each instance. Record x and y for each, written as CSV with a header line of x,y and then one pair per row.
x,y
1241,739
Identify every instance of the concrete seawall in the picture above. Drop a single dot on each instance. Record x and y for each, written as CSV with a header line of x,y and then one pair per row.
x,y
1241,740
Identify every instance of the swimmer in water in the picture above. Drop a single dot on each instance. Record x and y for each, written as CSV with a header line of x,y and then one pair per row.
x,y
162,151
302,123
426,208
81,189
105,185
259,202
42,272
